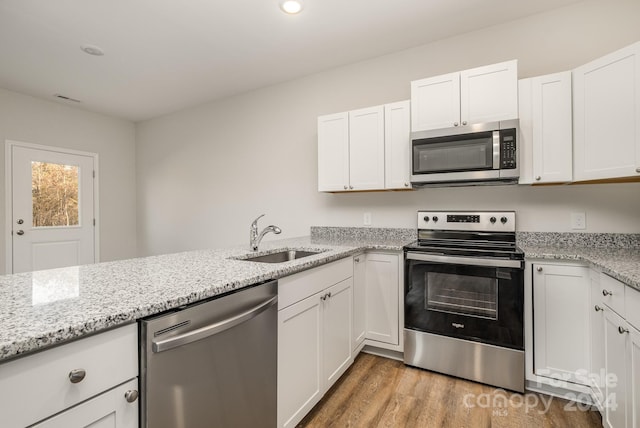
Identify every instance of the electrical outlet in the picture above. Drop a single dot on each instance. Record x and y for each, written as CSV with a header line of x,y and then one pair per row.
x,y
578,221
367,219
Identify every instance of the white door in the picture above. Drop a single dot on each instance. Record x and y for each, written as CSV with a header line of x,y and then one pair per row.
x,y
435,102
382,298
615,360
397,145
366,148
336,331
333,152
52,196
359,300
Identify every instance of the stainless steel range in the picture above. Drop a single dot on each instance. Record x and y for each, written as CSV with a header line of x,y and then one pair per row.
x,y
464,297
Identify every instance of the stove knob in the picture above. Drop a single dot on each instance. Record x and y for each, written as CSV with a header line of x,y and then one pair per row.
x,y
426,218
435,218
492,220
503,220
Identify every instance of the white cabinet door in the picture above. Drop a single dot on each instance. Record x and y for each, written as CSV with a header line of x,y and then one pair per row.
x,y
552,128
561,321
333,152
489,93
397,145
359,300
606,104
435,102
108,410
382,298
366,148
633,413
597,340
616,370
546,154
336,321
299,359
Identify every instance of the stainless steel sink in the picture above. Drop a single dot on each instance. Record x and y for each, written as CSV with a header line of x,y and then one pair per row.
x,y
281,256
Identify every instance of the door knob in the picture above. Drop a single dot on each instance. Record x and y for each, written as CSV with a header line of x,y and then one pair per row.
x,y
131,395
20,232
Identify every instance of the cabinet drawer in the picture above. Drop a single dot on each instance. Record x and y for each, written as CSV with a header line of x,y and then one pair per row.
x,y
292,289
632,306
42,380
612,293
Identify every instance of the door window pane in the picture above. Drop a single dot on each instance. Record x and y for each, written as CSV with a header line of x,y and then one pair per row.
x,y
54,189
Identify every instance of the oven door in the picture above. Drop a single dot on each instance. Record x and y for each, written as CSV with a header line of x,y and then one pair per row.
x,y
468,298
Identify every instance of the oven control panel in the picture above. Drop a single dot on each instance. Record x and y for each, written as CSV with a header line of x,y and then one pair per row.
x,y
489,221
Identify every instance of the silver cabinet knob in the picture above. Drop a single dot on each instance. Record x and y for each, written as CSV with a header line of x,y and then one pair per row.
x,y
357,260
346,187
131,395
351,187
623,330
637,169
538,178
20,221
455,123
539,268
464,122
406,184
598,308
20,232
607,293
77,375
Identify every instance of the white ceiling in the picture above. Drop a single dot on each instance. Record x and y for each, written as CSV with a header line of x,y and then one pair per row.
x,y
164,55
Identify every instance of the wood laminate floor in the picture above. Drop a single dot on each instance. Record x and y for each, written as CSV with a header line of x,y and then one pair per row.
x,y
379,392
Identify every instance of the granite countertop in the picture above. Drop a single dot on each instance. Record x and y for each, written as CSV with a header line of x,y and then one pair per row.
x,y
620,263
44,308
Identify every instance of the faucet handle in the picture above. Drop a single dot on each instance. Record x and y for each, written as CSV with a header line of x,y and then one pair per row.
x,y
255,222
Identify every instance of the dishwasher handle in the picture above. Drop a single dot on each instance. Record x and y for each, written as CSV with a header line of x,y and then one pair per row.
x,y
209,330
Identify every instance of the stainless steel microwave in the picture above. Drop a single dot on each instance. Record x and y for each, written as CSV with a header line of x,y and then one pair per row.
x,y
482,154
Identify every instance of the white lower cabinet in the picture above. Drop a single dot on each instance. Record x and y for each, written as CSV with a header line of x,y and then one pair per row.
x,y
359,301
83,383
561,320
382,298
107,410
621,354
314,336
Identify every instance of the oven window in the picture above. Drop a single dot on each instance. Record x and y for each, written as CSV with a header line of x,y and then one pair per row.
x,y
461,294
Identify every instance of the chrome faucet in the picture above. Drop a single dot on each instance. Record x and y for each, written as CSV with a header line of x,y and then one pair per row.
x,y
255,237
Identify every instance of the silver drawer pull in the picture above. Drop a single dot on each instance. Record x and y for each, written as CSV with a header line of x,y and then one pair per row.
x,y
539,268
623,330
77,375
607,293
598,308
131,395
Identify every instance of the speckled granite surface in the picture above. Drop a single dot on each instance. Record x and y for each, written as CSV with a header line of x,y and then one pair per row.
x,y
615,254
39,309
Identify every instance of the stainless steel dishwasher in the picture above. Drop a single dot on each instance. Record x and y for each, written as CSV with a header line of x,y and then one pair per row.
x,y
212,364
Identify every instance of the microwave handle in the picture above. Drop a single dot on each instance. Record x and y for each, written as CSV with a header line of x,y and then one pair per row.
x,y
496,149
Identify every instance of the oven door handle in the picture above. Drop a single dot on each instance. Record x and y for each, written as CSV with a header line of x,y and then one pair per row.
x,y
468,261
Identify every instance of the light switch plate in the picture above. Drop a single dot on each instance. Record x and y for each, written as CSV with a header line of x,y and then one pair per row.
x,y
578,221
367,219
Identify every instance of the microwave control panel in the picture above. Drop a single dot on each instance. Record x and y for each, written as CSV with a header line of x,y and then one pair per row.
x,y
508,152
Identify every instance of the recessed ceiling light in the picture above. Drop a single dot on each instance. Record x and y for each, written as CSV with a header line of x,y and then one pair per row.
x,y
291,6
92,50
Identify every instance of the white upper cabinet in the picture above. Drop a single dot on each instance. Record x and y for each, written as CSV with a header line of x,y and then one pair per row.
x,y
397,148
333,152
489,93
366,149
483,94
606,104
546,129
435,102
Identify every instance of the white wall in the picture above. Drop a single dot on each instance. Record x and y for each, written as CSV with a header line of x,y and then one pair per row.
x,y
27,119
204,173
